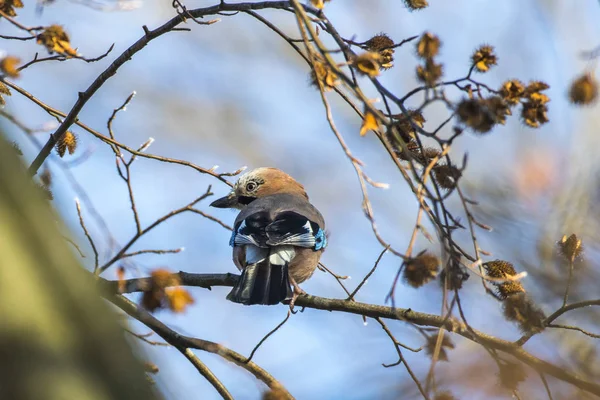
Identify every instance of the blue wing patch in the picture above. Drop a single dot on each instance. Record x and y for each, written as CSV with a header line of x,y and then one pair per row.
x,y
245,234
320,240
232,239
289,229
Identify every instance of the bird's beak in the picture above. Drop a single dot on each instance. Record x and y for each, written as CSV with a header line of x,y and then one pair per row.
x,y
229,201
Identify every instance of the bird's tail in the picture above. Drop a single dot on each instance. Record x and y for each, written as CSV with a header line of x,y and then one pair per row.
x,y
262,283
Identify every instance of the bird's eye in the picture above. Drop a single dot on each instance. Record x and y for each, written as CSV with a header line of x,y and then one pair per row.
x,y
251,186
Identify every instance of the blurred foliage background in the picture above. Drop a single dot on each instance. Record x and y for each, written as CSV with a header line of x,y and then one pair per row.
x,y
234,94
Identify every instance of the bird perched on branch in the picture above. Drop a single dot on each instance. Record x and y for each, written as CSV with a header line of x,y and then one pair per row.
x,y
278,236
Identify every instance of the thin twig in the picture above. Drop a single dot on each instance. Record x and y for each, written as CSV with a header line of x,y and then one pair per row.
x,y
144,338
570,279
360,285
184,342
87,235
267,336
574,328
402,360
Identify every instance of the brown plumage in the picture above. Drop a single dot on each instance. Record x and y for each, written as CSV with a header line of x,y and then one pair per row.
x,y
278,236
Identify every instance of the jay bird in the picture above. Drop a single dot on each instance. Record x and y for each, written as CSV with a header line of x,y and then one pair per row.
x,y
277,238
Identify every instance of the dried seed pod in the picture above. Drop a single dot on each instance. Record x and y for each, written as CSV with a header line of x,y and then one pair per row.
x,y
322,73
453,276
381,44
534,113
474,114
483,58
430,72
428,46
512,91
414,5
584,90
9,66
378,42
8,7
368,63
520,308
446,344
56,40
421,269
570,247
67,143
446,175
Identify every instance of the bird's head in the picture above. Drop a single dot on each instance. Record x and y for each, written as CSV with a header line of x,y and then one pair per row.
x,y
259,183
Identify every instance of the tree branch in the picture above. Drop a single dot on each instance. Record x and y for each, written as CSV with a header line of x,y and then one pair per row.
x,y
149,35
182,342
373,311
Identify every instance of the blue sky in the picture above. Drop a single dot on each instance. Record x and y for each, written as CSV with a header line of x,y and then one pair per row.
x,y
233,94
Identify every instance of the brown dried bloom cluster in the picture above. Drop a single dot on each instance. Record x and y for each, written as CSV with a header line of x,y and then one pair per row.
x,y
381,44
446,344
522,310
533,101
481,115
518,307
500,269
9,66
8,7
535,109
512,91
162,294
402,137
405,124
368,63
414,5
453,275
584,90
4,90
484,58
56,40
67,143
446,175
421,269
427,48
570,247
322,73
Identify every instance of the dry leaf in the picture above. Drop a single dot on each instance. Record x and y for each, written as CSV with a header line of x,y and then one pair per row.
x,y
9,64
370,122
178,299
318,4
121,279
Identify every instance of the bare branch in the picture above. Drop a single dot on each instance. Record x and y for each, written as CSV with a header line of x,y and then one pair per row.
x,y
182,342
395,313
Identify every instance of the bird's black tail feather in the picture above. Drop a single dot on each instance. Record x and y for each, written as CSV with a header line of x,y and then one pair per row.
x,y
262,283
